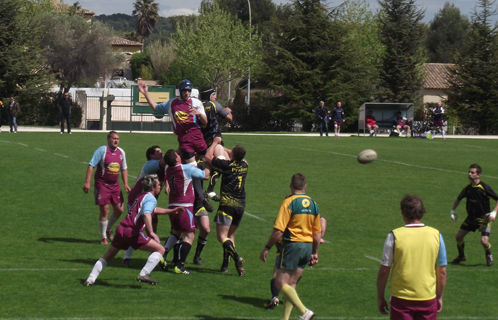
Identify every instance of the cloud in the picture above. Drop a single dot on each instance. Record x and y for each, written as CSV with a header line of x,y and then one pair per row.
x,y
178,12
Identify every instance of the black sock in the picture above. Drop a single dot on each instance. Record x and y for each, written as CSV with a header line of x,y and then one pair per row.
x,y
273,287
461,247
230,249
198,188
212,181
184,251
226,259
201,242
176,252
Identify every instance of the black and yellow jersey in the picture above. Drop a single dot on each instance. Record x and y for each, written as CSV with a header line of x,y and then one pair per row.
x,y
478,199
233,180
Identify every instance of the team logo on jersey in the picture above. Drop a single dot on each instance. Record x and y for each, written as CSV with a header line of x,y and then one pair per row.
x,y
305,203
181,116
99,197
113,167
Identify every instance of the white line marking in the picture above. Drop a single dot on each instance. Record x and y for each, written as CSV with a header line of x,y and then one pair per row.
x,y
49,269
255,217
456,269
132,176
40,149
61,155
84,162
468,145
390,161
22,144
5,141
241,318
373,258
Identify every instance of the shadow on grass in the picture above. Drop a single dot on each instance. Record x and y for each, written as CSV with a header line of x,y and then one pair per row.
x,y
115,263
103,283
69,240
212,271
204,317
256,302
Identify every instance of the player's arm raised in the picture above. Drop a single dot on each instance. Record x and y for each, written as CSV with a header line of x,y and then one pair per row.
x,y
144,90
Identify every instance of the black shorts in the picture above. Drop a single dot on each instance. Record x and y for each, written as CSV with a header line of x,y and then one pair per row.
x,y
473,224
229,216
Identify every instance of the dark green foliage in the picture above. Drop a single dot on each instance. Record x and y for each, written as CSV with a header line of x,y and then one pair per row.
x,y
473,96
446,34
137,61
312,59
177,73
402,35
120,22
23,73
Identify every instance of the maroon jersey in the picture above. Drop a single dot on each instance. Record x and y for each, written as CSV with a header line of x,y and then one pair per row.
x,y
109,164
145,203
179,178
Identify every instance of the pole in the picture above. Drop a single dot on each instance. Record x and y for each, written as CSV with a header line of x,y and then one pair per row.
x,y
249,77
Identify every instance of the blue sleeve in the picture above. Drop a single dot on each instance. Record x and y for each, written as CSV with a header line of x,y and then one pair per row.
x,y
97,156
152,166
193,172
163,107
149,204
441,257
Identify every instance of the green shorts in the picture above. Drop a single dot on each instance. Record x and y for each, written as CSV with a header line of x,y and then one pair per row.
x,y
295,255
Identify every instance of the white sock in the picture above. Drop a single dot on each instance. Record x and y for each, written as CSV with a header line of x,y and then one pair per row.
x,y
128,252
152,262
97,269
112,219
103,229
442,134
172,239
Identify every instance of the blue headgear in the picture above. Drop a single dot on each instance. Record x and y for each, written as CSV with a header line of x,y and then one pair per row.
x,y
185,85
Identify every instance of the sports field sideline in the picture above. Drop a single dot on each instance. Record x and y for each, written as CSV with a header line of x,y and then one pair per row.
x,y
50,239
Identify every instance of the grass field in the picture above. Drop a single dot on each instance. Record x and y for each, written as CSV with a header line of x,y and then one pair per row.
x,y
50,240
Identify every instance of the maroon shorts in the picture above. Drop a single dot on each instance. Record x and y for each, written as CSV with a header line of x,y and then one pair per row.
x,y
184,221
126,237
439,123
402,309
107,193
192,142
338,123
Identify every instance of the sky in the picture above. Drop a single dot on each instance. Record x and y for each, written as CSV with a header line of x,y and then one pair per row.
x,y
184,7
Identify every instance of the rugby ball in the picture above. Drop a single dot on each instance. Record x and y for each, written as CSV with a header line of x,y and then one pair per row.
x,y
367,156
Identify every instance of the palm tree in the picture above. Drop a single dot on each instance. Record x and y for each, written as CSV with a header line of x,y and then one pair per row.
x,y
146,13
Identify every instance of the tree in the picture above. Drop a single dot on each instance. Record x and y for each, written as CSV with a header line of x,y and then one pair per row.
x,y
23,73
77,51
146,13
446,34
161,56
218,47
324,54
473,96
402,35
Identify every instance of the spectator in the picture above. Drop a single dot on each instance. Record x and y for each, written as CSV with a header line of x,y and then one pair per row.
x,y
371,123
338,117
65,109
13,110
323,115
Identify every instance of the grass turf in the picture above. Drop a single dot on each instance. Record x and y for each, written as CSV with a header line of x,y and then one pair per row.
x,y
50,240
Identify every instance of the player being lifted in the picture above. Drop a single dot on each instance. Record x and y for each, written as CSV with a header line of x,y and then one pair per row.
x,y
214,113
187,115
479,216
